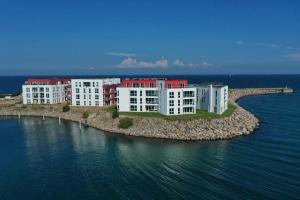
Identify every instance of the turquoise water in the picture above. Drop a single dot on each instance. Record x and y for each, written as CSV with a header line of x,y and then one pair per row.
x,y
47,160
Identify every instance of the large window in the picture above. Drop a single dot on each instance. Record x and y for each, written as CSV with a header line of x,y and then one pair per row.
x,y
182,85
96,90
150,93
188,102
188,109
133,100
133,108
171,111
77,90
27,89
171,94
151,101
171,103
133,93
86,84
188,94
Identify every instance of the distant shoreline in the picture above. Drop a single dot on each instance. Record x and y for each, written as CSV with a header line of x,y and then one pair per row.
x,y
240,122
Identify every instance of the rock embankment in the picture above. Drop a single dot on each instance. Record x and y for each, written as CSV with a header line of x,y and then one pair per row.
x,y
240,122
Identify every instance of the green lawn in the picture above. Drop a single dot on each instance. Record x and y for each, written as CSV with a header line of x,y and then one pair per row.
x,y
200,114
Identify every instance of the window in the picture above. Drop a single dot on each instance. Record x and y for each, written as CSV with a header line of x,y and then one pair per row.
x,y
141,108
178,102
188,109
77,90
171,111
141,101
90,90
178,110
142,85
141,93
152,85
84,91
133,108
77,103
216,101
179,94
96,96
151,101
90,103
182,85
27,89
97,90
47,89
216,93
188,102
133,100
48,101
93,84
28,101
171,103
28,95
171,94
133,93
47,95
84,96
136,85
169,85
97,103
151,93
86,84
203,99
188,94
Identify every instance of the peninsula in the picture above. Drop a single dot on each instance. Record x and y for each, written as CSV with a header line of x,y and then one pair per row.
x,y
236,122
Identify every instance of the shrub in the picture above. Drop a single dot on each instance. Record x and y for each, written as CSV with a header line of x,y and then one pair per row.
x,y
125,123
66,108
115,114
85,115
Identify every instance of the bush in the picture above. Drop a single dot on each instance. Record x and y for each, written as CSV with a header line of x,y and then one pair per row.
x,y
125,123
66,108
115,114
85,115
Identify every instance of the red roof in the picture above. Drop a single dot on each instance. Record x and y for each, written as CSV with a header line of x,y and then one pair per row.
x,y
147,82
47,81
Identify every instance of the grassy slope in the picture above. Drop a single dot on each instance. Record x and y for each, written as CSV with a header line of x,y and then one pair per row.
x,y
200,114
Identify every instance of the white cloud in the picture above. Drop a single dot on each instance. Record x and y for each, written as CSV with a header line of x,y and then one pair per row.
x,y
132,63
121,54
293,56
179,63
265,44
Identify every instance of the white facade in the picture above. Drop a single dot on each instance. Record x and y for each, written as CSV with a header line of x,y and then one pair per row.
x,y
43,94
177,101
168,101
91,92
213,98
131,99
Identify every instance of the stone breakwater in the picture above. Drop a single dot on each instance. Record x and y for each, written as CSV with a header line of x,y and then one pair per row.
x,y
240,122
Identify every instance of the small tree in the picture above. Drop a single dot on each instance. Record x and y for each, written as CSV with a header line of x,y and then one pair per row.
x,y
85,115
125,123
115,114
66,108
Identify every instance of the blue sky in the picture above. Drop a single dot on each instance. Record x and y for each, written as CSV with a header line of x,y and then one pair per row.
x,y
149,37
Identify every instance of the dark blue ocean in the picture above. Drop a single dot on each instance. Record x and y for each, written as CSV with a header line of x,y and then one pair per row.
x,y
46,160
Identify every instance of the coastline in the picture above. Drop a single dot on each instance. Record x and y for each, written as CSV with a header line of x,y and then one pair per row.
x,y
241,122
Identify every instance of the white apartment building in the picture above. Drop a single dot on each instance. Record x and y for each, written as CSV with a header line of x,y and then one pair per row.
x,y
213,98
94,92
45,91
169,97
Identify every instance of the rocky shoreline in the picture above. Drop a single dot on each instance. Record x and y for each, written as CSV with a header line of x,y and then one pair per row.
x,y
240,122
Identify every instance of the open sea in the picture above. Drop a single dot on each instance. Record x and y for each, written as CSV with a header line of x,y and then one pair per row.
x,y
46,160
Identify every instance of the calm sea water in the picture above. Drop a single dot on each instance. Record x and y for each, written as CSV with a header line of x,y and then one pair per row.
x,y
46,160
